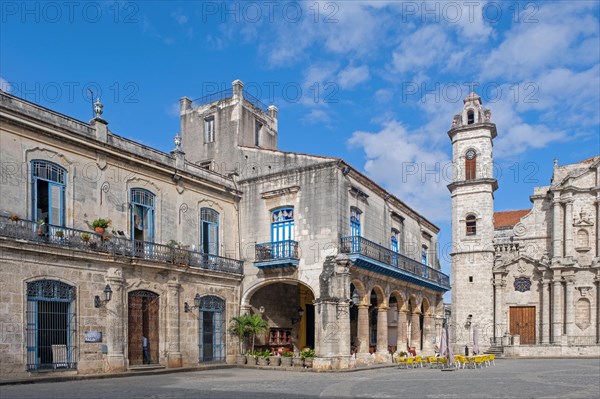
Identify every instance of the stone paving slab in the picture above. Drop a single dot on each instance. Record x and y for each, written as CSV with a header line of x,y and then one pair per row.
x,y
526,378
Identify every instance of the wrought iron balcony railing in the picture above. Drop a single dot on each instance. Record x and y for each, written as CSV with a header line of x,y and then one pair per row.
x,y
362,246
114,245
276,250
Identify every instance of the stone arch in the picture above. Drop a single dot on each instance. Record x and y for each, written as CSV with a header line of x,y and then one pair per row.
x,y
425,306
362,291
399,299
412,303
248,293
382,300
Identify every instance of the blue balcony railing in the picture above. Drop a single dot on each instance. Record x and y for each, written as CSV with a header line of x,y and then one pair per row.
x,y
114,245
276,250
370,250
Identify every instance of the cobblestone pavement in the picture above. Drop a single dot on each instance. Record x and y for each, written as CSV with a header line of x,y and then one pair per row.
x,y
525,378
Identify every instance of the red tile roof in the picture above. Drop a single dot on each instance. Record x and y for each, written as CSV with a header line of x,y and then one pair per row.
x,y
509,218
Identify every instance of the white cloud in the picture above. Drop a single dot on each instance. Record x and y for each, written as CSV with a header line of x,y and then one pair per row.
x,y
353,76
405,163
179,17
422,49
5,86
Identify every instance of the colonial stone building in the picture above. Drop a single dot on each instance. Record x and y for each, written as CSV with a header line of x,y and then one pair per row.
x,y
527,280
222,225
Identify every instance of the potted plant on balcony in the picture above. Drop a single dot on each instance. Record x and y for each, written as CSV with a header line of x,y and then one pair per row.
x,y
308,355
85,237
179,254
40,224
59,233
286,359
99,225
14,218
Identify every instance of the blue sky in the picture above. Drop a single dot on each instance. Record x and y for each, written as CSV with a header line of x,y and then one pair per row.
x,y
376,83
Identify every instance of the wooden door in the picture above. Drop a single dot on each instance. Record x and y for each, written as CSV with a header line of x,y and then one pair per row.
x,y
143,321
522,323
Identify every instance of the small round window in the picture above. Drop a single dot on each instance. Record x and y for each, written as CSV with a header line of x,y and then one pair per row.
x,y
471,154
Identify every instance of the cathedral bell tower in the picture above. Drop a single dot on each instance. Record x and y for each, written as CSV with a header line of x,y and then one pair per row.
x,y
472,191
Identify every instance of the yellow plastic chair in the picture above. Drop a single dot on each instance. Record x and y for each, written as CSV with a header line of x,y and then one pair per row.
x,y
442,361
492,359
402,362
410,361
433,361
419,361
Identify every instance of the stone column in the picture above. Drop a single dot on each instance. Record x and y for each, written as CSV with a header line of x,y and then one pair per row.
x,y
115,322
362,330
498,315
557,230
597,283
569,307
401,340
382,334
415,330
556,310
545,305
174,358
428,333
569,245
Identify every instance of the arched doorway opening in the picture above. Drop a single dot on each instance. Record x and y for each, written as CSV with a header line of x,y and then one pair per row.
x,y
288,307
143,326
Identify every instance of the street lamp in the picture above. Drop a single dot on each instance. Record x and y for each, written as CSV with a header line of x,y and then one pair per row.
x,y
187,308
107,294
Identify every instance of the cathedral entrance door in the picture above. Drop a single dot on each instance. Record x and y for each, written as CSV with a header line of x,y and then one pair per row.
x,y
522,323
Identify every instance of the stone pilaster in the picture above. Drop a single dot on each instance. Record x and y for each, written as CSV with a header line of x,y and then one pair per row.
x,y
498,314
569,245
545,311
570,308
428,333
382,334
598,227
597,284
115,322
557,236
174,358
557,326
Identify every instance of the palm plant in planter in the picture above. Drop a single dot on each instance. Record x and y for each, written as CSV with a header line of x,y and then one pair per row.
x,y
256,325
239,328
263,357
308,355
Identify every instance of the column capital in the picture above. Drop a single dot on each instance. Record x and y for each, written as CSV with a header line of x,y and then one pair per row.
x,y
362,306
382,309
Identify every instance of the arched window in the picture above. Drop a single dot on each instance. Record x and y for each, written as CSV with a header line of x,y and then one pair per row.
x,y
48,192
142,215
51,325
470,117
282,232
394,240
471,223
424,255
209,231
355,221
211,331
470,165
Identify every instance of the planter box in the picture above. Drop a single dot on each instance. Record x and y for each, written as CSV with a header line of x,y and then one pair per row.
x,y
274,360
240,359
298,362
308,361
286,361
262,361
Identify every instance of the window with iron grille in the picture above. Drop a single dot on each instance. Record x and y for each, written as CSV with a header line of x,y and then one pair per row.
x,y
51,326
48,192
355,214
211,330
471,224
282,233
209,231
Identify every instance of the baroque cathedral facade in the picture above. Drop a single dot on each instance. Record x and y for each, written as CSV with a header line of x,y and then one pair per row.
x,y
528,281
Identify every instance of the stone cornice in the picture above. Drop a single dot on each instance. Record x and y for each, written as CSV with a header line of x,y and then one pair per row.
x,y
466,183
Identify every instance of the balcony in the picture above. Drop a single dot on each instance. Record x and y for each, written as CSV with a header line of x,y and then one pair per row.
x,y
370,256
114,245
276,254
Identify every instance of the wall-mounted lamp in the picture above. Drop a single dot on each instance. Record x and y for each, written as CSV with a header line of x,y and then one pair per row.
x,y
469,319
300,313
107,294
187,308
